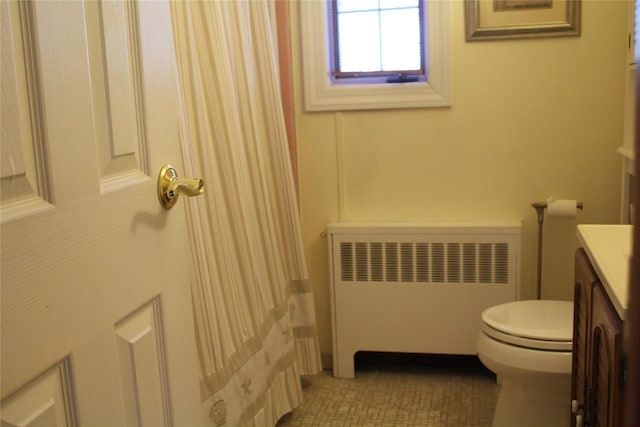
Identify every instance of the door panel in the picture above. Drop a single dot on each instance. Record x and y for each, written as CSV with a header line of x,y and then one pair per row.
x,y
142,369
95,307
24,181
116,58
46,401
585,280
605,376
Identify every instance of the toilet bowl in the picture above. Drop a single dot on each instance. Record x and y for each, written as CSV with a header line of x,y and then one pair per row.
x,y
528,345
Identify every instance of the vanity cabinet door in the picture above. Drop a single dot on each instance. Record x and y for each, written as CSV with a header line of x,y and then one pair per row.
x,y
585,279
605,376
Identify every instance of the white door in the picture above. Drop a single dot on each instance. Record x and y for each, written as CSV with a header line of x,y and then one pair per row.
x,y
96,325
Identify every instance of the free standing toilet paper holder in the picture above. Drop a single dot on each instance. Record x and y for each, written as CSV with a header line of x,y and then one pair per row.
x,y
540,207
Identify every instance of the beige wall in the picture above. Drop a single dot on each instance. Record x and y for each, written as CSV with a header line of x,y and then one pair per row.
x,y
530,118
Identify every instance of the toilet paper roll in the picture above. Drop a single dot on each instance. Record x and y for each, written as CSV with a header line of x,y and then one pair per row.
x,y
562,208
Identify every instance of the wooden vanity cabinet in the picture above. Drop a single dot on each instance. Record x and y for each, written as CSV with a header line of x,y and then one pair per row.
x,y
606,373
585,280
597,371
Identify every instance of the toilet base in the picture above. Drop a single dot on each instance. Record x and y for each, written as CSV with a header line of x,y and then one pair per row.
x,y
525,405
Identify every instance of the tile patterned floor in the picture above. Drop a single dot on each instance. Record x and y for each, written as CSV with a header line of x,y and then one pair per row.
x,y
400,391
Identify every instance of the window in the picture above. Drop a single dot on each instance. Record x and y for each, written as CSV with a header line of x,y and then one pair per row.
x,y
340,80
382,40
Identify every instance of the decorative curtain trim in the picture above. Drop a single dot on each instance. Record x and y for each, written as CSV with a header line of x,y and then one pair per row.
x,y
216,382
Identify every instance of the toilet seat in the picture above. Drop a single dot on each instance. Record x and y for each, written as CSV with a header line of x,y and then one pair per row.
x,y
536,324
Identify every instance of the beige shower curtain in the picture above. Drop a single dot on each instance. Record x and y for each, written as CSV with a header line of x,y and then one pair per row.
x,y
253,307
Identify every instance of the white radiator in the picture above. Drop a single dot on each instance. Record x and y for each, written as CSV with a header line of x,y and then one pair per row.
x,y
416,288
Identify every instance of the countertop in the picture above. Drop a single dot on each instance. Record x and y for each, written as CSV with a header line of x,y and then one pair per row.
x,y
609,249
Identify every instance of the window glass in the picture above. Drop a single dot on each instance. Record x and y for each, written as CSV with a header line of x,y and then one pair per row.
x,y
356,50
400,40
395,4
356,5
377,36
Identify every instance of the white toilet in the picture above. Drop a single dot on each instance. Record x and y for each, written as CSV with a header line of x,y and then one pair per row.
x,y
528,345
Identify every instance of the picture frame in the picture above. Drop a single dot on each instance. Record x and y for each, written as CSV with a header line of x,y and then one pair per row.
x,y
508,19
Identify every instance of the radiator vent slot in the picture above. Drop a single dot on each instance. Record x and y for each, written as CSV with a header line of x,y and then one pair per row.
x,y
425,262
346,261
362,262
377,262
391,261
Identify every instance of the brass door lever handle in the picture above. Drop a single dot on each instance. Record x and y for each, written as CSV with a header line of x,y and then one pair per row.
x,y
170,186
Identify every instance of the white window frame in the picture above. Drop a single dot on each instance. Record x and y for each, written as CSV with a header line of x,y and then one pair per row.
x,y
321,93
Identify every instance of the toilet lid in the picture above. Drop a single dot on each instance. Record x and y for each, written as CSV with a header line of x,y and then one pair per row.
x,y
536,323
